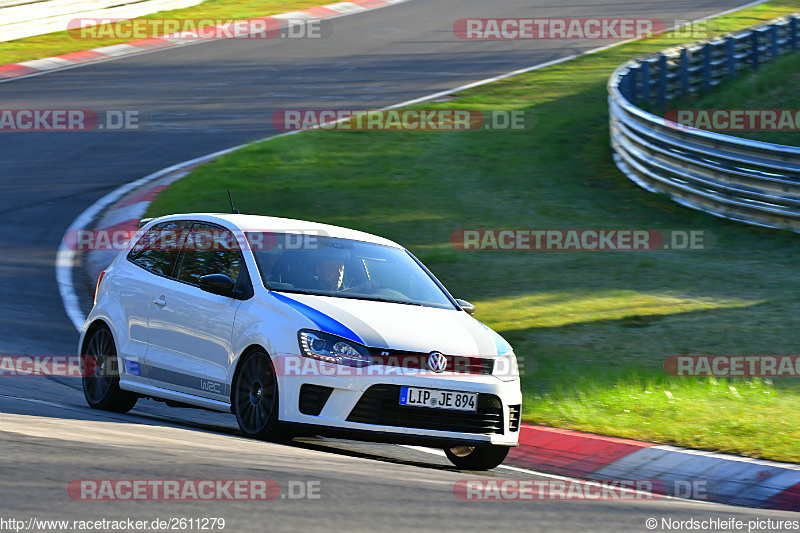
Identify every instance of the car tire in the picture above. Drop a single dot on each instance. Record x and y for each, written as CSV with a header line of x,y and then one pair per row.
x,y
100,374
477,457
255,398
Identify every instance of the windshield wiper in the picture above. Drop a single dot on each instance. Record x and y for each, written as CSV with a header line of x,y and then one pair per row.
x,y
375,299
300,291
347,295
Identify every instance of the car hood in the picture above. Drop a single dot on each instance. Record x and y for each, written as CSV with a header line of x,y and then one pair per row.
x,y
398,326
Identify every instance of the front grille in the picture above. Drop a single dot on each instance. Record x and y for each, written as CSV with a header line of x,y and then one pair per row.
x,y
513,417
313,398
465,364
379,405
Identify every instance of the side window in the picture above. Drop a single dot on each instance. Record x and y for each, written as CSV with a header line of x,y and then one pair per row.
x,y
209,249
157,250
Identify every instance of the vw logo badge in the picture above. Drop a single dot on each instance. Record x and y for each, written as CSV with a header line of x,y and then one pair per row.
x,y
437,362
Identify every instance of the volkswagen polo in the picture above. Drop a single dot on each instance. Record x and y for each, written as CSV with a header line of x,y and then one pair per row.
x,y
299,328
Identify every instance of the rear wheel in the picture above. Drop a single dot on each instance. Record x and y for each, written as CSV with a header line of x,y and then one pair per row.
x,y
477,457
255,398
100,374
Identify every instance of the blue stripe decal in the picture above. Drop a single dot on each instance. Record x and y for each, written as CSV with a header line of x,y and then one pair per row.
x,y
324,322
500,343
132,368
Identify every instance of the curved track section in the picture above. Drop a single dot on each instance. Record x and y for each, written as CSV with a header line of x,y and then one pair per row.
x,y
203,99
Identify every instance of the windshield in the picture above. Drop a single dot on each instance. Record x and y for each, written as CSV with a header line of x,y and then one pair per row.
x,y
344,269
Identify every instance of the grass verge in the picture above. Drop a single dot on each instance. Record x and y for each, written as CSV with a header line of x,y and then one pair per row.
x,y
592,329
61,42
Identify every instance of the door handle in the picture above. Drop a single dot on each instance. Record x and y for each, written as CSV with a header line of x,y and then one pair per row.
x,y
160,301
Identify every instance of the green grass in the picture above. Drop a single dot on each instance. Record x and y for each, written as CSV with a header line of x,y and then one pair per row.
x,y
773,86
592,329
62,42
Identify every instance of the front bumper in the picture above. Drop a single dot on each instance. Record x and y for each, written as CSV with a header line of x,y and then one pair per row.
x,y
365,401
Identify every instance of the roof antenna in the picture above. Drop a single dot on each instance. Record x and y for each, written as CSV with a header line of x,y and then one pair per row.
x,y
233,209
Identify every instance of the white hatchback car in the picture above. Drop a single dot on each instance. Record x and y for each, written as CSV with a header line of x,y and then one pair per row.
x,y
299,328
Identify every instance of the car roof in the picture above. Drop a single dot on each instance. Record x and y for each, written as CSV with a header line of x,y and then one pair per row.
x,y
278,225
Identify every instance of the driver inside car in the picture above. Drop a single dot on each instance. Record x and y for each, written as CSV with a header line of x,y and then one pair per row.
x,y
330,274
330,277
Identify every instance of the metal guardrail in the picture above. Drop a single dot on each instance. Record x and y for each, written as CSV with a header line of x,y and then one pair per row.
x,y
751,181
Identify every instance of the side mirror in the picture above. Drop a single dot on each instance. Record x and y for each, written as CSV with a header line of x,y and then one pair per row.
x,y
466,306
221,284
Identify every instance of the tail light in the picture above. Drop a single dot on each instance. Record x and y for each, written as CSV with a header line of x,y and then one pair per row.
x,y
97,287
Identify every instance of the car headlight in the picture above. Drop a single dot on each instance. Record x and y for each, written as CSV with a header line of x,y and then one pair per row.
x,y
506,367
332,349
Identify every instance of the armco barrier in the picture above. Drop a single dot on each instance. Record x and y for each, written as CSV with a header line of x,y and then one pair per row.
x,y
732,177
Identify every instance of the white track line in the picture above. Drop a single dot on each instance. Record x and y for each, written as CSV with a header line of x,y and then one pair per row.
x,y
65,257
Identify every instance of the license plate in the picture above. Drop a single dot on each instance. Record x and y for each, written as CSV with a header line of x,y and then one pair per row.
x,y
439,399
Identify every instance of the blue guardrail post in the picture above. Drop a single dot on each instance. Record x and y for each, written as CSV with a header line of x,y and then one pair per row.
x,y
684,72
754,53
773,41
730,54
633,73
662,81
707,67
646,82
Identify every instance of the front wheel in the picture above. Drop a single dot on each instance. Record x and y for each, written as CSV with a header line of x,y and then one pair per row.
x,y
477,457
100,374
255,397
